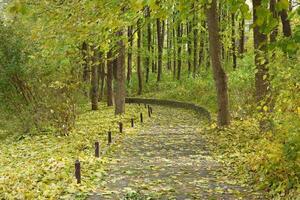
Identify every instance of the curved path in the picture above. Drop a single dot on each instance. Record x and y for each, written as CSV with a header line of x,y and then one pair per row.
x,y
168,160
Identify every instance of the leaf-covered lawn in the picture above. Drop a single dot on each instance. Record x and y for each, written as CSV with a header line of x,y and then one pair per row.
x,y
42,166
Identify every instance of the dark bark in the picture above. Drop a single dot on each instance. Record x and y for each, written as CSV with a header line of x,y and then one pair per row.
x,y
129,54
195,34
218,72
242,37
86,69
139,67
286,24
94,80
109,79
189,46
233,47
169,45
274,33
179,48
174,53
260,48
120,76
159,48
202,43
148,44
101,76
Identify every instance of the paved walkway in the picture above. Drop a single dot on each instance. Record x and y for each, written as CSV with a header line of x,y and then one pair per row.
x,y
168,159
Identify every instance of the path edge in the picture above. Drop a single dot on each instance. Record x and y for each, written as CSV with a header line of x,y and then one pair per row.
x,y
171,103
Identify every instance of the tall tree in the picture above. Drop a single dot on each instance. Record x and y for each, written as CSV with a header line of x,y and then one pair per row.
x,y
286,24
149,35
195,35
94,79
189,46
159,48
218,72
139,67
233,47
120,76
86,68
179,47
101,76
260,48
242,37
129,54
109,79
274,32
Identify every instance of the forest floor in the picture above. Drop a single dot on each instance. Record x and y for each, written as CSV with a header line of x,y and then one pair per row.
x,y
169,159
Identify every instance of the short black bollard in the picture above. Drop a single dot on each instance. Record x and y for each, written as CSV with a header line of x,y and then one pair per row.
x,y
149,112
77,171
97,154
132,123
109,137
121,127
141,117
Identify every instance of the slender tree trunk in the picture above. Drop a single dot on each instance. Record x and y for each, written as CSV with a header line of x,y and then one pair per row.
x,y
242,37
148,44
174,54
169,45
189,46
86,68
179,47
120,76
234,62
202,43
129,54
159,48
286,24
218,72
153,51
110,96
260,48
139,67
101,76
274,33
94,80
195,33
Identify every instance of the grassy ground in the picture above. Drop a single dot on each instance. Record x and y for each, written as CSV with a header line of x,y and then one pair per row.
x,y
42,166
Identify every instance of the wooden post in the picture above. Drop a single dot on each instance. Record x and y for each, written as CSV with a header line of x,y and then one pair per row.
x,y
97,154
109,137
77,171
121,127
149,112
141,117
132,123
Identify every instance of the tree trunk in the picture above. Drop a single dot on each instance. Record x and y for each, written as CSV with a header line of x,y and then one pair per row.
x,y
169,45
148,44
218,72
129,54
139,67
110,94
242,37
189,46
120,77
195,33
274,33
234,62
260,49
101,76
86,69
179,47
286,24
159,48
94,80
174,53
